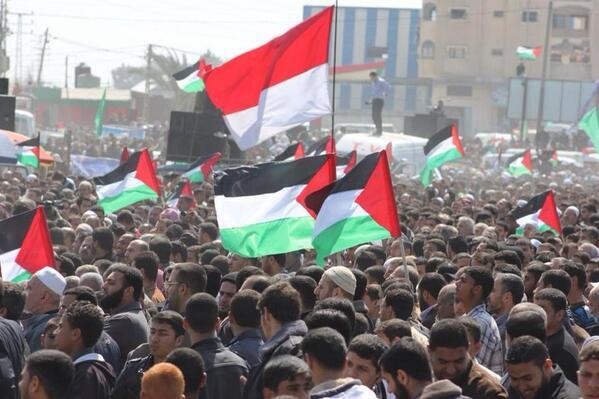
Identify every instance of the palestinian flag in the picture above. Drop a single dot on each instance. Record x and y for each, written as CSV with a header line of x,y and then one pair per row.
x,y
540,211
359,208
528,53
25,245
29,152
131,182
190,79
445,146
294,151
554,160
263,209
589,120
199,171
183,189
277,86
125,155
520,164
325,145
345,163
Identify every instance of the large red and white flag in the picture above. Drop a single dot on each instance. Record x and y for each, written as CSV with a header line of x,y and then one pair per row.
x,y
276,86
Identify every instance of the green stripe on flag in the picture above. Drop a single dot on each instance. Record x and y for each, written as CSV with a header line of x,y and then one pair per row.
x,y
194,176
590,124
345,234
28,159
517,169
436,162
24,276
275,237
194,86
129,197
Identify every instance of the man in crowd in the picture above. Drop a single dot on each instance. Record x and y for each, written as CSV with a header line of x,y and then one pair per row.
x,y
48,374
287,375
508,290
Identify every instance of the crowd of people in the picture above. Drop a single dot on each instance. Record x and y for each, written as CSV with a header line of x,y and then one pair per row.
x,y
147,303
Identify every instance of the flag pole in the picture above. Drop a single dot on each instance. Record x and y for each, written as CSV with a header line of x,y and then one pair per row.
x,y
334,70
402,251
39,151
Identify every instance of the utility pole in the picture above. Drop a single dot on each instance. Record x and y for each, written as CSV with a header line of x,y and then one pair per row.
x,y
66,72
39,71
146,109
546,50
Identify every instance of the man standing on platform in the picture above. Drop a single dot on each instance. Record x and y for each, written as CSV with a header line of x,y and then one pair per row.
x,y
380,89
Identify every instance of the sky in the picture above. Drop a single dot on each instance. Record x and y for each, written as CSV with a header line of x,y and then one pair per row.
x,y
107,33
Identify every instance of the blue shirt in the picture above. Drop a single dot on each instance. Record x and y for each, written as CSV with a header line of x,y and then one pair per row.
x,y
379,88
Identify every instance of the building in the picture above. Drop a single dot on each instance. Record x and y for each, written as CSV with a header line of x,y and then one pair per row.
x,y
468,49
383,39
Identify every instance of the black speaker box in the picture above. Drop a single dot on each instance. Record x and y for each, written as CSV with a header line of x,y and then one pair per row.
x,y
192,135
7,113
4,86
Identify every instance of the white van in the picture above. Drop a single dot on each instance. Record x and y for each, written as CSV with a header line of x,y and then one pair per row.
x,y
25,123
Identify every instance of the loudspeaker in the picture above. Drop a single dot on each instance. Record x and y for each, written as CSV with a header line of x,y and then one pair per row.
x,y
193,134
426,125
7,113
4,86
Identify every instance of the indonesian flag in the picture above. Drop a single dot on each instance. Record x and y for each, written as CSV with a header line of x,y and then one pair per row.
x,y
520,164
541,212
445,146
264,209
277,86
183,189
29,152
294,151
360,208
201,169
131,182
528,53
25,245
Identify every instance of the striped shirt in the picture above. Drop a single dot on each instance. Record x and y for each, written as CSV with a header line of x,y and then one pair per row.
x,y
491,351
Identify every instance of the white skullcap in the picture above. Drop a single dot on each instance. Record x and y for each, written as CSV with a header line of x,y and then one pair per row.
x,y
361,249
573,209
535,243
84,227
521,203
343,278
53,280
390,261
88,213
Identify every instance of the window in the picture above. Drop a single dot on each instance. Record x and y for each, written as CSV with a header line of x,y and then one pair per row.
x,y
457,13
579,22
498,14
497,52
571,22
530,16
429,12
457,52
428,50
459,91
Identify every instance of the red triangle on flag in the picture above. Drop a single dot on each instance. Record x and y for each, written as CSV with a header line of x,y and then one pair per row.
x,y
146,171
330,147
351,163
527,160
378,198
186,191
208,166
36,250
299,151
548,213
455,137
318,187
124,155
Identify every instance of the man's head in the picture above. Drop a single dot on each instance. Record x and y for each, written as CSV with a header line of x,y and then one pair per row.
x,y
43,291
286,375
279,304
79,328
102,240
554,303
474,286
363,355
147,263
338,281
228,288
192,366
166,333
273,264
428,289
405,367
208,232
121,245
134,248
244,311
47,374
508,290
555,278
163,381
373,76
588,373
185,280
324,351
397,303
393,330
528,365
448,349
124,285
201,314
445,302
76,294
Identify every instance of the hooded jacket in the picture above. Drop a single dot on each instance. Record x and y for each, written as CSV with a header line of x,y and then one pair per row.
x,y
94,378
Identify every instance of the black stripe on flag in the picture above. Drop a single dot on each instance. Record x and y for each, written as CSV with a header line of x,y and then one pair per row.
x,y
515,156
357,178
532,206
288,153
438,138
266,178
119,173
199,162
14,230
183,73
319,147
34,142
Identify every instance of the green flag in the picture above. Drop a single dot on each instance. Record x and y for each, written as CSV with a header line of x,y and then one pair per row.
x,y
590,124
99,118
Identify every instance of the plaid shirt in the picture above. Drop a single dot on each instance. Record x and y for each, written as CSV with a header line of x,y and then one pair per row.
x,y
491,351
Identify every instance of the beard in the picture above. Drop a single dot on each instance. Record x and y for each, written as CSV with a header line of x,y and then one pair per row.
x,y
401,392
113,300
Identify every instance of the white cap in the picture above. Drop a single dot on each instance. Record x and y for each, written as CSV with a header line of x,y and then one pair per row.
x,y
53,280
343,278
573,209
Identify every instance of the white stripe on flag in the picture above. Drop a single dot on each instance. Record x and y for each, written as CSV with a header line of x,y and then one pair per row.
x,y
114,189
297,100
243,211
335,209
10,269
442,147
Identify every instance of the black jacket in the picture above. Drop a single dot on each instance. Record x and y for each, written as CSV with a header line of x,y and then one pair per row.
x,y
93,379
286,341
128,383
128,326
247,345
223,369
13,349
559,387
